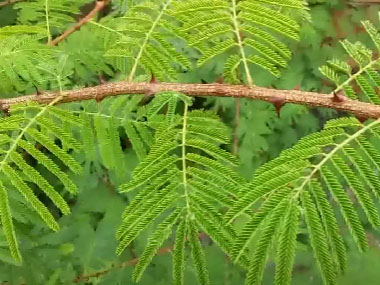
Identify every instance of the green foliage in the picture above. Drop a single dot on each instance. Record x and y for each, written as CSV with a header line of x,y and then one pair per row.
x,y
182,176
53,14
25,128
166,161
335,159
367,78
341,156
143,41
247,27
18,58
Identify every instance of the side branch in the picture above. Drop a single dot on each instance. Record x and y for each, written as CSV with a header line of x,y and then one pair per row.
x,y
8,2
99,5
130,262
359,109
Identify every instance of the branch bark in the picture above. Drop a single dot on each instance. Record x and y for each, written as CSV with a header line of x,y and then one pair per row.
x,y
130,262
357,108
9,2
99,6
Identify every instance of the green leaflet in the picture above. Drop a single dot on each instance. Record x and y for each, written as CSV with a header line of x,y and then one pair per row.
x,y
6,221
366,77
151,52
198,255
30,197
287,245
346,207
161,233
257,265
318,240
331,226
179,253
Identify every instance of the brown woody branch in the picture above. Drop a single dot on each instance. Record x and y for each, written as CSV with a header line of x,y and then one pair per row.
x,y
359,109
9,2
99,6
130,262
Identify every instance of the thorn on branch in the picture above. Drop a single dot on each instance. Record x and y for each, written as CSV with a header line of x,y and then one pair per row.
x,y
38,91
153,80
99,98
278,104
361,119
220,80
5,110
338,98
101,80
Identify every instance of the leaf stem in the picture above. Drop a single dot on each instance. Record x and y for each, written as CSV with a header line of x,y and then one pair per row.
x,y
184,170
47,21
146,40
240,42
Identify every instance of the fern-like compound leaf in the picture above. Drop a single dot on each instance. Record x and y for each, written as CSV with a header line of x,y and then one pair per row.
x,y
54,13
185,168
248,232
37,205
333,160
145,43
249,29
19,56
366,77
26,127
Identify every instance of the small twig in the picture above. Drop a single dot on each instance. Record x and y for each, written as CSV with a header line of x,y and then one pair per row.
x,y
99,6
9,2
363,2
130,262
